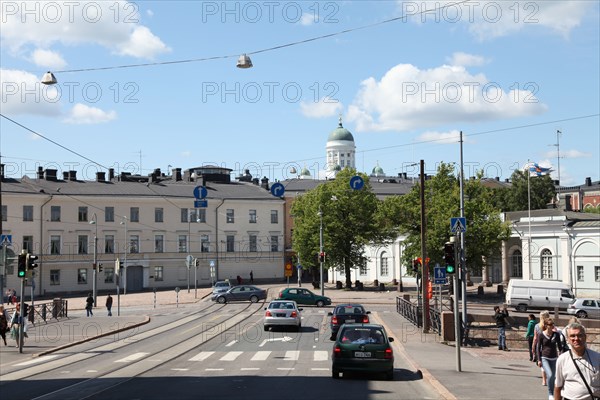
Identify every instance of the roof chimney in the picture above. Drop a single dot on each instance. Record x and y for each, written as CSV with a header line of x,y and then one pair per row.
x,y
40,172
65,175
176,172
588,181
111,174
100,176
50,174
72,175
264,183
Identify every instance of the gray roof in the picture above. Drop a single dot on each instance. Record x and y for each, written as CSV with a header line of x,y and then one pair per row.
x,y
383,188
553,212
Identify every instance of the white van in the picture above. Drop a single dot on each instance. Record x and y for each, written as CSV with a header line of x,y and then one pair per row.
x,y
524,295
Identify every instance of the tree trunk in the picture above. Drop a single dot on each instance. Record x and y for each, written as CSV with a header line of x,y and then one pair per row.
x,y
347,273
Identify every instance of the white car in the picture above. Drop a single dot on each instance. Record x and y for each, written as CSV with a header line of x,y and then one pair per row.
x,y
282,313
221,287
585,308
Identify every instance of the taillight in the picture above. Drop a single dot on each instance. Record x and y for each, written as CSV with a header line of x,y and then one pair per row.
x,y
280,294
268,314
337,351
365,319
388,353
294,314
334,320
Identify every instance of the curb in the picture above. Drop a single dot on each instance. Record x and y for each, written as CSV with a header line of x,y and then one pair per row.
x,y
64,346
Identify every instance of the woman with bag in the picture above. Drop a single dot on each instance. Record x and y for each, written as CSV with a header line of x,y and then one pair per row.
x,y
550,345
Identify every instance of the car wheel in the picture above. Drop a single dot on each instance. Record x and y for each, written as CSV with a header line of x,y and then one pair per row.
x,y
320,303
581,314
254,299
389,375
266,328
521,308
335,373
222,300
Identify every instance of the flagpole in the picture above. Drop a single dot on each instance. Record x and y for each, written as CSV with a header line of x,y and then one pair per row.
x,y
529,219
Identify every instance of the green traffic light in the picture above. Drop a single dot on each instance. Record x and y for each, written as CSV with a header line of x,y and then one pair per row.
x,y
450,269
21,274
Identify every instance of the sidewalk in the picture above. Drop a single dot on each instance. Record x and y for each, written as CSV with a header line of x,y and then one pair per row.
x,y
486,373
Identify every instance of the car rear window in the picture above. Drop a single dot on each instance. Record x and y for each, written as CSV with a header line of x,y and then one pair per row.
x,y
362,335
349,310
282,305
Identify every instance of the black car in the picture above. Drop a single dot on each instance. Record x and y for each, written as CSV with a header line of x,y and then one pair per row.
x,y
347,314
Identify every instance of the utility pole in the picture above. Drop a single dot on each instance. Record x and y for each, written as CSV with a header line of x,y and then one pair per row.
x,y
424,266
462,271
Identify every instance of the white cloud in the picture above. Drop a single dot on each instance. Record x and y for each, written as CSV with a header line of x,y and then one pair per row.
x,y
73,23
407,98
48,59
440,137
150,13
324,108
307,19
186,153
466,60
82,114
568,154
22,93
490,19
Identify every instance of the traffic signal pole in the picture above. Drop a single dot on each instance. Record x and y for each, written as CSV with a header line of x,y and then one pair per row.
x,y
425,267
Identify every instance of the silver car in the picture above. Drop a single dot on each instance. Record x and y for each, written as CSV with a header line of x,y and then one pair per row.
x,y
585,308
282,313
221,287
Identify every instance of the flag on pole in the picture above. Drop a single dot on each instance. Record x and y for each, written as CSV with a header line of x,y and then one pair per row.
x,y
536,170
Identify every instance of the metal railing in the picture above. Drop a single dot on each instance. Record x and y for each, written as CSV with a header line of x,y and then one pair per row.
x,y
410,311
56,309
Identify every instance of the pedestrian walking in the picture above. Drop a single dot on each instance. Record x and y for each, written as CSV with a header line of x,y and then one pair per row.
x,y
3,324
239,280
577,370
109,301
251,276
500,316
544,315
529,335
16,324
89,304
549,346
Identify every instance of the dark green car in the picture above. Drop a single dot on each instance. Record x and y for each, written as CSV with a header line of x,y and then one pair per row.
x,y
304,296
362,348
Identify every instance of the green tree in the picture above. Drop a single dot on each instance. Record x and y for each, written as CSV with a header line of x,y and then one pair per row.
x,y
351,219
541,189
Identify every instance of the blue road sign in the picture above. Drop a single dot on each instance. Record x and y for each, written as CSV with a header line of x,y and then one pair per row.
x,y
6,239
200,203
299,267
458,225
200,192
356,182
277,189
439,275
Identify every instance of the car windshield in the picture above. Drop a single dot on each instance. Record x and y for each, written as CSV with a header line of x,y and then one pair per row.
x,y
362,335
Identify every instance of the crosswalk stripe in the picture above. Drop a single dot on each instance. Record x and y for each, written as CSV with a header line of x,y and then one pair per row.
x,y
37,360
261,356
231,356
291,355
133,357
202,356
321,355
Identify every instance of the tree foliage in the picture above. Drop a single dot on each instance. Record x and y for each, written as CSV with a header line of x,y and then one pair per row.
x,y
540,189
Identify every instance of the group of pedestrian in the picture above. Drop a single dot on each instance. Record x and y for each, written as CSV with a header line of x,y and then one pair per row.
x,y
12,324
89,305
10,296
569,369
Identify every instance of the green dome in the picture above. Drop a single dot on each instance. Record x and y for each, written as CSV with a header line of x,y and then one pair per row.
x,y
340,133
305,172
378,171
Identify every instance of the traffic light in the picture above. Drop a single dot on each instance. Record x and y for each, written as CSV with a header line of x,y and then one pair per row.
x,y
22,266
99,267
416,264
322,257
31,264
118,267
449,258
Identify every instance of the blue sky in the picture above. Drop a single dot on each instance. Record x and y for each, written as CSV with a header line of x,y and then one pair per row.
x,y
509,74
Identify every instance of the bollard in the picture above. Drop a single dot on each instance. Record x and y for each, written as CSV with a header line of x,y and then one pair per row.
x,y
500,289
480,290
44,312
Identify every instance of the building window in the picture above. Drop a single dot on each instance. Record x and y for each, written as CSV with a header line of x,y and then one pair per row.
x,y
55,213
134,214
383,262
201,215
109,275
55,277
159,243
4,212
134,244
28,243
158,214
182,243
82,214
230,216
184,215
252,216
517,264
109,244
597,273
204,244
252,244
158,273
109,214
546,261
363,270
82,244
27,213
274,217
230,244
82,276
54,244
580,273
274,243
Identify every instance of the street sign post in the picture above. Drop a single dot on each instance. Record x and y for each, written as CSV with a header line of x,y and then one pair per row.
x,y
458,224
439,275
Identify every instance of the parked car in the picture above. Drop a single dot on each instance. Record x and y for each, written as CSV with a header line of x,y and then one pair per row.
x,y
240,293
221,286
304,296
585,308
347,314
282,313
363,348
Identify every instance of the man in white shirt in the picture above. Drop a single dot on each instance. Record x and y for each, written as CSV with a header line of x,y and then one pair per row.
x,y
575,366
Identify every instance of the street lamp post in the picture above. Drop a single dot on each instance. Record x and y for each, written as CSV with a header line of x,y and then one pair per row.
x,y
320,214
94,222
